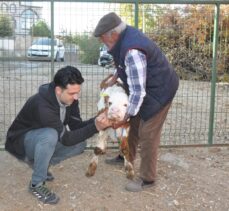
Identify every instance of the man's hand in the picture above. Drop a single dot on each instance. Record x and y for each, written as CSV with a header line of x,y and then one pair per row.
x,y
120,123
102,122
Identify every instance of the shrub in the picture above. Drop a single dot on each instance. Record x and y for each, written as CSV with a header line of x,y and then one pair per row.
x,y
40,29
89,48
6,26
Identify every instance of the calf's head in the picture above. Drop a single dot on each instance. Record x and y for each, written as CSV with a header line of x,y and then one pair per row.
x,y
115,100
117,106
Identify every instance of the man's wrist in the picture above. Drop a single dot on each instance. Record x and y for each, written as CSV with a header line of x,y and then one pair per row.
x,y
126,117
97,125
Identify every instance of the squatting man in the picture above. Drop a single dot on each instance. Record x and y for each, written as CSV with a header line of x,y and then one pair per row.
x,y
49,129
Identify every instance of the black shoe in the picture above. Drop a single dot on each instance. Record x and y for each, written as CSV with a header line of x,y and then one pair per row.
x,y
43,193
118,160
138,185
50,177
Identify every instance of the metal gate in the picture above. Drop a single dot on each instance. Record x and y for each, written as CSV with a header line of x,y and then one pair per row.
x,y
193,34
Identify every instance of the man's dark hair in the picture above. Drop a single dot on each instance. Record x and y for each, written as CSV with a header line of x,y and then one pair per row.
x,y
68,75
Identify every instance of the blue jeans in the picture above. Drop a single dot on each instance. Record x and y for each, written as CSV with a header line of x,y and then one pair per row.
x,y
42,149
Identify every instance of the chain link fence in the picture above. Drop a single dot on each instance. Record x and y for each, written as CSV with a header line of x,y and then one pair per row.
x,y
185,32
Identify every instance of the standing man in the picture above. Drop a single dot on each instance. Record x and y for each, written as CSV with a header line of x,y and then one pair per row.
x,y
152,84
49,120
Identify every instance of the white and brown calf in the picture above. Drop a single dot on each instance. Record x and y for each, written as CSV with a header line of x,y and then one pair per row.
x,y
115,100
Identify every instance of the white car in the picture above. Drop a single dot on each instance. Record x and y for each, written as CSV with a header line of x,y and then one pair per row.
x,y
41,50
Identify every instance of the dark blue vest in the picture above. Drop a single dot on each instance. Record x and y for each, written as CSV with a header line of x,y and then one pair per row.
x,y
161,80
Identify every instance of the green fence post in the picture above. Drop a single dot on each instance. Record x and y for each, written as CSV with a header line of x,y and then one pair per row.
x,y
52,38
136,9
213,81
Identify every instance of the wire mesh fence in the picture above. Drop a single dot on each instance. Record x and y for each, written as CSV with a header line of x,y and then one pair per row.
x,y
184,33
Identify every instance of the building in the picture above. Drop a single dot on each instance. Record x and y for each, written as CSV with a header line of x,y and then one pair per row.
x,y
23,15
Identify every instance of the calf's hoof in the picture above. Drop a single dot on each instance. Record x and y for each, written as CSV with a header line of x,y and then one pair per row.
x,y
130,175
129,171
91,169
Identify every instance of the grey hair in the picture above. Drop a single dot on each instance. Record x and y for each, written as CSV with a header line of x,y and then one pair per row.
x,y
118,29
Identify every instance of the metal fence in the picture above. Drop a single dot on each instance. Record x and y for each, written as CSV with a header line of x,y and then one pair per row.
x,y
193,34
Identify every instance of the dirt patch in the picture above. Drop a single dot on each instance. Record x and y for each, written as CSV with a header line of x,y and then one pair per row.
x,y
188,179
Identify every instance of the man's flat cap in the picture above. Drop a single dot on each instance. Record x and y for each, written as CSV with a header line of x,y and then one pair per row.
x,y
106,23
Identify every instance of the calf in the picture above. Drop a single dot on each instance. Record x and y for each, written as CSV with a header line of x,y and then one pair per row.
x,y
115,101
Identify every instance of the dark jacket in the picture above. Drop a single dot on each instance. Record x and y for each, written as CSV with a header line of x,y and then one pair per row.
x,y
42,110
161,79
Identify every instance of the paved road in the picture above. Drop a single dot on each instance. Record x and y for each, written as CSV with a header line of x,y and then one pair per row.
x,y
26,67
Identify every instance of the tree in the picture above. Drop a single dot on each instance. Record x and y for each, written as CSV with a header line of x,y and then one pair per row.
x,y
6,27
89,48
40,29
147,15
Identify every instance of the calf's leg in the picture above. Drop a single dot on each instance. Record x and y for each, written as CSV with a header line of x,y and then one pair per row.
x,y
124,148
99,150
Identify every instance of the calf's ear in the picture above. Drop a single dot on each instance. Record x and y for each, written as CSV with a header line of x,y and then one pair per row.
x,y
106,101
103,84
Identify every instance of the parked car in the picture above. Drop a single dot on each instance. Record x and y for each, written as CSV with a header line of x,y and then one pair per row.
x,y
105,59
41,50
